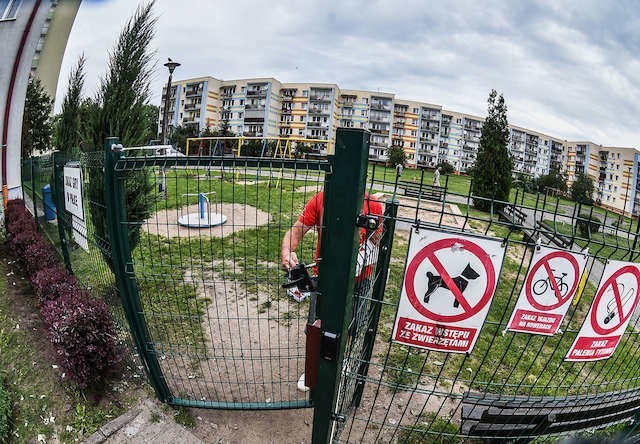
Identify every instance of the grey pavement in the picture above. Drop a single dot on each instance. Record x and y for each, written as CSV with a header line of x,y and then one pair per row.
x,y
146,423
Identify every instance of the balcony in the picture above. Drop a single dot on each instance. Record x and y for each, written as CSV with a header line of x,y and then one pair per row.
x,y
257,92
194,92
378,119
381,106
254,106
320,97
317,124
253,133
318,110
382,132
227,93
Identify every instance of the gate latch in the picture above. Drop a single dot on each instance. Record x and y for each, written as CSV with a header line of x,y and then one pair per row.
x,y
329,346
368,222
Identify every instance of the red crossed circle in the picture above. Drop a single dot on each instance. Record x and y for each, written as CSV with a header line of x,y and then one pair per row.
x,y
428,253
612,281
544,262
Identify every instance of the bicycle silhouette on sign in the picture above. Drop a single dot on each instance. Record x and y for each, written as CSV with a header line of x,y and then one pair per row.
x,y
542,285
611,305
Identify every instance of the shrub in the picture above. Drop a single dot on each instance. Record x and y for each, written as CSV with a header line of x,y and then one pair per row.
x,y
82,333
588,224
38,255
19,242
446,167
5,412
52,283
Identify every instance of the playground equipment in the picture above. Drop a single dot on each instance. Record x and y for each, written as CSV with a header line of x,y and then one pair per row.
x,y
274,147
204,218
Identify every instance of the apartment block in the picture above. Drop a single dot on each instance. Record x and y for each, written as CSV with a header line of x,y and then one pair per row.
x,y
429,134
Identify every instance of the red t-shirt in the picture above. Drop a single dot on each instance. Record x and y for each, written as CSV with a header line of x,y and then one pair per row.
x,y
312,217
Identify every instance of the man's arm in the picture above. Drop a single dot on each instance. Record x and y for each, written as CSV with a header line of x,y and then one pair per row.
x,y
290,242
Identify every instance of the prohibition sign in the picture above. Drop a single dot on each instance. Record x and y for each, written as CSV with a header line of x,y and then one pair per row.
x,y
428,252
613,283
544,262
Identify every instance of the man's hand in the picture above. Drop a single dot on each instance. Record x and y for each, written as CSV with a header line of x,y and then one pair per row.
x,y
289,260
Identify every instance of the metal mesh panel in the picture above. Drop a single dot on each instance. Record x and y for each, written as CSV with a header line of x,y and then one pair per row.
x,y
224,331
416,395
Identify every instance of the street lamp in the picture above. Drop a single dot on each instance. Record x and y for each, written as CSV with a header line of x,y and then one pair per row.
x,y
171,65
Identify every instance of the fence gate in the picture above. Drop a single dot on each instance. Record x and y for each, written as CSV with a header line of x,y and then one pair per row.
x,y
198,269
202,273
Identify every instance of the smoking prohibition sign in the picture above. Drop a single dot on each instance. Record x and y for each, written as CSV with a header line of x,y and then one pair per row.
x,y
617,300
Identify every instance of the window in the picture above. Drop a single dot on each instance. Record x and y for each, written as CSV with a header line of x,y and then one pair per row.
x,y
415,110
305,93
9,9
302,118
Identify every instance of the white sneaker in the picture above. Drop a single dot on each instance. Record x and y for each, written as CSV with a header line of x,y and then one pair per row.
x,y
301,386
298,295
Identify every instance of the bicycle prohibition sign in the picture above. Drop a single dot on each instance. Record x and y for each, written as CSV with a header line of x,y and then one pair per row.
x,y
552,281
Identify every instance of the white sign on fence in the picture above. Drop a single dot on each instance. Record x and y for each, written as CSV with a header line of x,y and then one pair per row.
x,y
449,282
610,313
73,191
552,281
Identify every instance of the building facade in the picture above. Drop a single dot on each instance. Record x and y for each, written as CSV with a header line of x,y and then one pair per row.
x,y
428,133
34,34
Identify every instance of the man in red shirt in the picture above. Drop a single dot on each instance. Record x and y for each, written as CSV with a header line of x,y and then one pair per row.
x,y
311,217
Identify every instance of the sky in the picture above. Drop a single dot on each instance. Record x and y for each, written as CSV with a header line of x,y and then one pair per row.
x,y
569,69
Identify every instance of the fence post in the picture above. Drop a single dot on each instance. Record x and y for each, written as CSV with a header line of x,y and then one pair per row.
x,y
34,171
343,200
384,259
58,189
124,272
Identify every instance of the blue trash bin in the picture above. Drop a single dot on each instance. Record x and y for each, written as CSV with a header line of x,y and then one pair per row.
x,y
49,207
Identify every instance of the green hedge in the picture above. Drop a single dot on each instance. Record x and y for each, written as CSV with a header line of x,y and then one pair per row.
x,y
5,412
588,225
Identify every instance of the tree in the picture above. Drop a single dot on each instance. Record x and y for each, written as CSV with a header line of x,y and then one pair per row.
x,y
37,126
493,168
582,189
178,137
446,167
555,179
68,134
119,110
396,155
150,116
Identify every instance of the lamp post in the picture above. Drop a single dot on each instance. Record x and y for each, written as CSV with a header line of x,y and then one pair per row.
x,y
171,65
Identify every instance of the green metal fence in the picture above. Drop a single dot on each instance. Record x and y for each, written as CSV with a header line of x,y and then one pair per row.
x,y
512,386
214,328
80,248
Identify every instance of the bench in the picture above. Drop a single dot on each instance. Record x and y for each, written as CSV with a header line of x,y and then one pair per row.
x,y
422,191
495,415
513,214
552,235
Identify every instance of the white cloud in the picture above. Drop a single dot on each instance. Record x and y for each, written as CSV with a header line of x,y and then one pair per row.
x,y
569,69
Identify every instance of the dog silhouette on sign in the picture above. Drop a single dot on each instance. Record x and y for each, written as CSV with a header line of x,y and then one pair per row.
x,y
434,282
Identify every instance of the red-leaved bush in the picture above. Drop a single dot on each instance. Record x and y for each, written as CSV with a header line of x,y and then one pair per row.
x,y
79,326
53,282
39,255
82,333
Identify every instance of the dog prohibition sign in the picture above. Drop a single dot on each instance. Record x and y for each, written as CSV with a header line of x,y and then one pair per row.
x,y
449,282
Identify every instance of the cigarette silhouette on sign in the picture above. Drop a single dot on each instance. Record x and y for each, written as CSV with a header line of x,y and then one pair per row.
x,y
434,282
611,305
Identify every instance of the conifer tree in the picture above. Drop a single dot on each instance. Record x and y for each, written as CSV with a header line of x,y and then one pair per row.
x,y
492,171
68,131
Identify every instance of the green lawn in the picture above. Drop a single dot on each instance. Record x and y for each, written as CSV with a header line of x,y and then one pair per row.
x,y
602,245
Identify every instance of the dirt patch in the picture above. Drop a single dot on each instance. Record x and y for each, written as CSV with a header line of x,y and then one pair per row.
x,y
430,212
239,217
